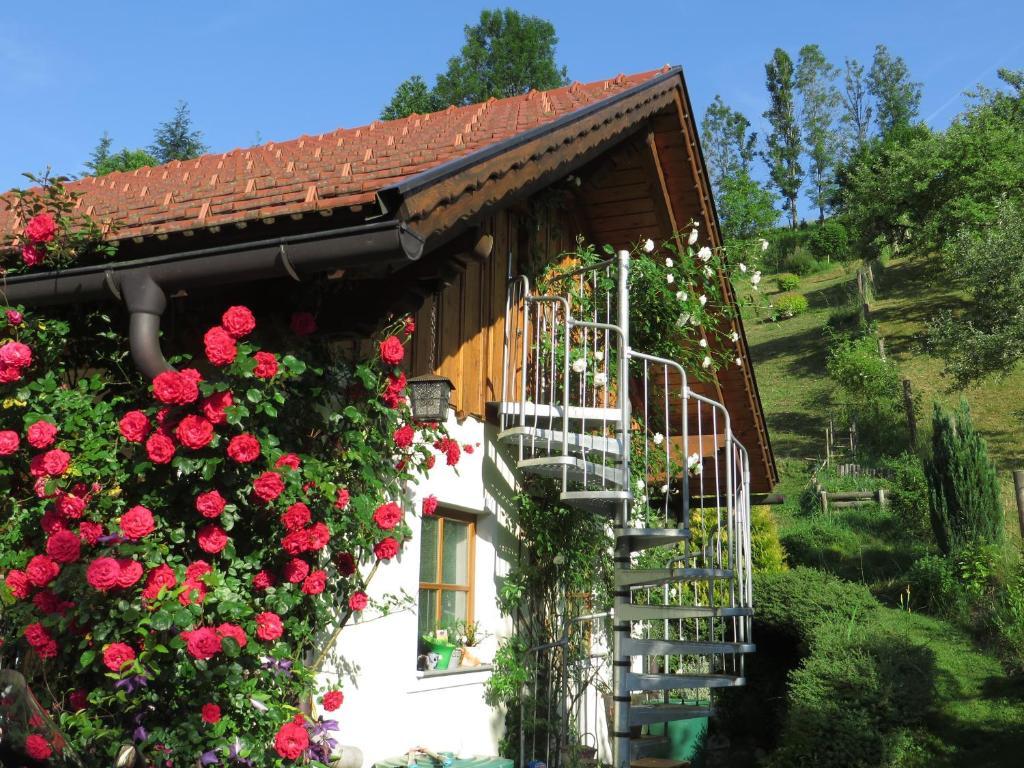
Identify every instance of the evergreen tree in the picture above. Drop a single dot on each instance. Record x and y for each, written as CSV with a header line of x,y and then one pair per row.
x,y
176,139
103,161
506,54
856,108
99,154
728,147
897,98
963,491
784,146
819,99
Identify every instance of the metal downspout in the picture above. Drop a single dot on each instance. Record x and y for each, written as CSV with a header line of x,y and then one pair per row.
x,y
146,302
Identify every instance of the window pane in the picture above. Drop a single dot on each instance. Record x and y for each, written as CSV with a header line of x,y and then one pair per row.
x,y
455,565
453,607
428,610
428,550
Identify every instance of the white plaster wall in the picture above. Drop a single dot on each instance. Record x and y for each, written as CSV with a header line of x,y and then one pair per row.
x,y
389,706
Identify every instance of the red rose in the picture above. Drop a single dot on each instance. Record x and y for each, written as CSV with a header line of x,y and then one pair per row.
x,y
387,516
9,373
212,538
343,498
315,583
234,632
332,700
41,570
391,351
296,516
238,321
134,426
262,580
14,317
15,354
137,523
203,643
429,506
160,578
78,700
295,542
36,746
9,442
243,448
176,388
55,463
358,601
210,504
450,448
41,434
386,548
198,569
192,592
116,655
268,626
36,635
467,448
50,522
346,563
64,547
268,486
394,395
131,572
160,448
317,536
211,714
47,602
90,532
69,505
41,228
289,460
404,435
291,741
410,326
214,405
266,365
220,347
295,570
303,324
103,573
18,583
194,432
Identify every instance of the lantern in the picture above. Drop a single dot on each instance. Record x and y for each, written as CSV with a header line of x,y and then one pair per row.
x,y
428,396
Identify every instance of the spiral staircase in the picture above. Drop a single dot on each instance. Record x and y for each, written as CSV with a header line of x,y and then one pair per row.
x,y
624,436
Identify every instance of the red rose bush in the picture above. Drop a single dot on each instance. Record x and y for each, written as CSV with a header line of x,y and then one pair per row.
x,y
174,555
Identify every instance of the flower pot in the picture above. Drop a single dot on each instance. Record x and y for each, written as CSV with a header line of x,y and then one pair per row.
x,y
443,650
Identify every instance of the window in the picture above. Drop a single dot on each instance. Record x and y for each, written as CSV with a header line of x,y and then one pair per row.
x,y
446,570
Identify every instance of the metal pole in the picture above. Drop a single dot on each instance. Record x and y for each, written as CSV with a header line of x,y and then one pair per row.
x,y
621,661
1018,484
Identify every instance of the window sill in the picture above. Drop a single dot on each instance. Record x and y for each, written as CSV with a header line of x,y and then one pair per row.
x,y
432,680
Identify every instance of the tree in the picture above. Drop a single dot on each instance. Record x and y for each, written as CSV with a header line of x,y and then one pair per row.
x,y
897,98
176,139
784,146
856,109
819,101
102,161
728,148
411,96
963,490
506,54
99,154
746,209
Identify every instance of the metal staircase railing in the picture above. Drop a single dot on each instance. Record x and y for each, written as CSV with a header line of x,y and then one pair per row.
x,y
628,438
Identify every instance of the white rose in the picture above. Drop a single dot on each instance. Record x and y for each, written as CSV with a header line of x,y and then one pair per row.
x,y
669,263
658,438
669,278
703,299
649,246
681,295
683,320
706,363
708,272
693,236
704,254
764,244
703,342
755,278
600,379
739,362
579,365
734,337
664,488
599,355
743,268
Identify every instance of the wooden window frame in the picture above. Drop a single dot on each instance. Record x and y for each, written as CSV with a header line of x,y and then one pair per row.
x,y
438,585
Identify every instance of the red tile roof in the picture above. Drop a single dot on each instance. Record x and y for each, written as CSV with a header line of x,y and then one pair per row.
x,y
345,167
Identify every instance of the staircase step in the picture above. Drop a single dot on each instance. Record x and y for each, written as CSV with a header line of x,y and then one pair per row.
x,y
577,443
639,647
605,503
643,746
645,714
645,538
638,682
576,469
655,612
656,577
538,412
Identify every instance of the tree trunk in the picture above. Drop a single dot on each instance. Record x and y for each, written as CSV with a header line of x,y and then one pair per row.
x,y
792,213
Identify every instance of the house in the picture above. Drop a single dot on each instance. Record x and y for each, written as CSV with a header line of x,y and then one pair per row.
x,y
435,216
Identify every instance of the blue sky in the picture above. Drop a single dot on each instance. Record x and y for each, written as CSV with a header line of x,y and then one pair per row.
x,y
262,70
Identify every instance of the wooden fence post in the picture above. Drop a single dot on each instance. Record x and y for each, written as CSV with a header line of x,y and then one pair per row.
x,y
1018,484
908,404
881,347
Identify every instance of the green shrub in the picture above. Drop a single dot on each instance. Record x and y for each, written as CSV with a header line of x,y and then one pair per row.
x,y
766,550
829,241
963,489
787,281
795,602
908,494
789,305
801,262
934,587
